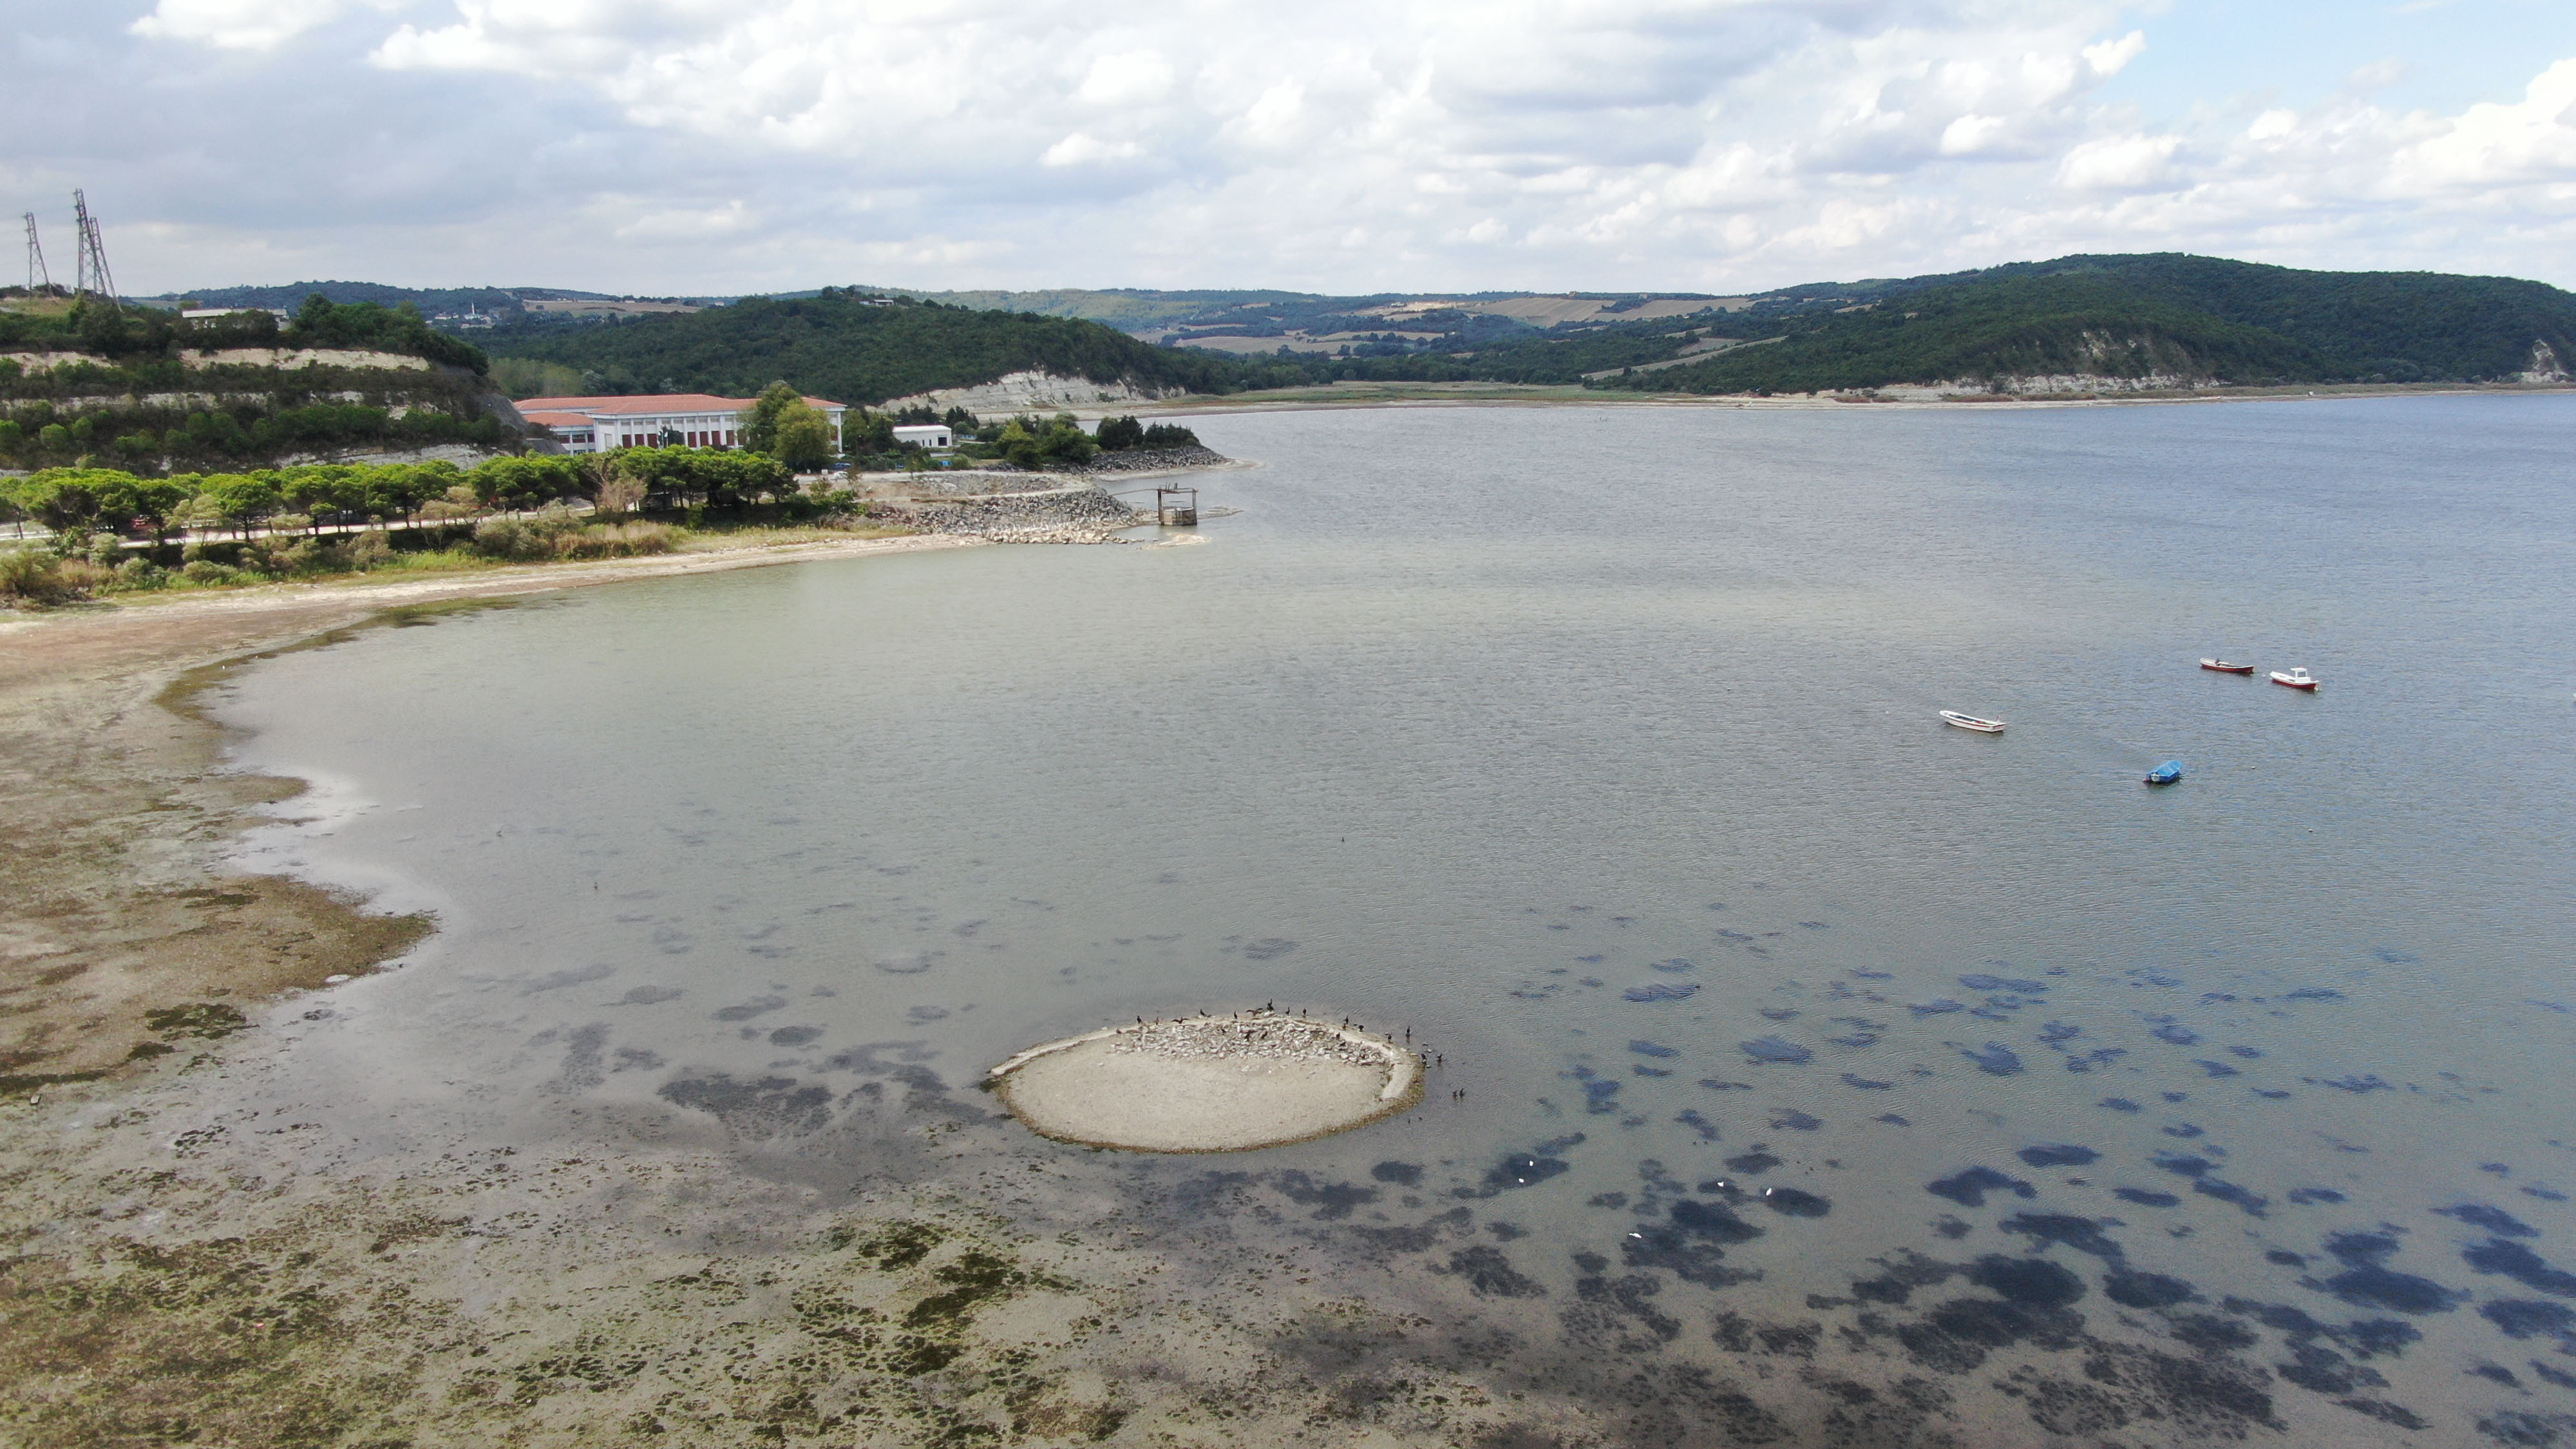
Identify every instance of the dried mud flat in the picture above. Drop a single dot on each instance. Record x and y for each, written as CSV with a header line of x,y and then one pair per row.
x,y
878,1256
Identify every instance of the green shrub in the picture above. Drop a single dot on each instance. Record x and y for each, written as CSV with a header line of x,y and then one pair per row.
x,y
207,573
618,540
33,576
138,574
559,533
312,556
518,540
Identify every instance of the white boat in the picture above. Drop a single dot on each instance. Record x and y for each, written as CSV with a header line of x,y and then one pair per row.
x,y
2298,678
1971,722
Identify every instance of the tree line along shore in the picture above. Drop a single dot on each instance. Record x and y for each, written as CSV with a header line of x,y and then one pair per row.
x,y
108,531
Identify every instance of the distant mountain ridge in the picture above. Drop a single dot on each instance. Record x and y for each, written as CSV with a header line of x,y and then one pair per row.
x,y
2155,321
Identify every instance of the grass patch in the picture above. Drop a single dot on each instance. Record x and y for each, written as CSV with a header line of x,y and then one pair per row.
x,y
779,535
206,1019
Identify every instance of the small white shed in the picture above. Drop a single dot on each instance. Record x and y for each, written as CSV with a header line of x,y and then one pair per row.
x,y
926,435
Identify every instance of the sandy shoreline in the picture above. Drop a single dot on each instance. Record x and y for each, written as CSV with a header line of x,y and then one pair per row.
x,y
118,903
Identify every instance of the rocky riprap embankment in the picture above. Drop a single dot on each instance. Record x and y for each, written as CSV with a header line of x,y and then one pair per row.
x,y
992,502
1153,460
1272,1035
1067,515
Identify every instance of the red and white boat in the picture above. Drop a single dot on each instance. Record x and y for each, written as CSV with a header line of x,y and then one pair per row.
x,y
1971,722
2296,679
2223,667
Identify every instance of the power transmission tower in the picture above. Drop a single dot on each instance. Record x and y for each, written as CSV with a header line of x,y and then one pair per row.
x,y
37,277
90,271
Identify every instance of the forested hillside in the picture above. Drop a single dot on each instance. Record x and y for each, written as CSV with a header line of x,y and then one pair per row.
x,y
141,388
851,348
2192,319
2152,320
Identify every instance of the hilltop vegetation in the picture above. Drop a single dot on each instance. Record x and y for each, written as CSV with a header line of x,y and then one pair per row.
x,y
851,348
2164,320
144,388
2165,317
2190,320
132,332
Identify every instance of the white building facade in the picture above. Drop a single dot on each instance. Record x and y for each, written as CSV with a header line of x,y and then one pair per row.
x,y
926,435
689,420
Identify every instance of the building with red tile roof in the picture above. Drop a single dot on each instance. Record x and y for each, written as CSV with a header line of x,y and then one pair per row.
x,y
684,419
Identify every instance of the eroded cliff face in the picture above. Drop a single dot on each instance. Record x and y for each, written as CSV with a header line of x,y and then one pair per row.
x,y
241,408
1029,392
2544,366
286,359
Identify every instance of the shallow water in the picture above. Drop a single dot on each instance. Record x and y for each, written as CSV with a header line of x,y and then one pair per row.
x,y
1596,747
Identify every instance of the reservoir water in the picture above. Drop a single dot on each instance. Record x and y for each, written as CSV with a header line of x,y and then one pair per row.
x,y
1791,1046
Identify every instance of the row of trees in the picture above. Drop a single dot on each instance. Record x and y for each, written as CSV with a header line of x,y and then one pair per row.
x,y
213,435
117,331
1119,435
110,500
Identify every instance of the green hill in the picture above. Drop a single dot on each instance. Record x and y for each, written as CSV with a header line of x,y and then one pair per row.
x,y
139,388
2160,320
2186,319
850,347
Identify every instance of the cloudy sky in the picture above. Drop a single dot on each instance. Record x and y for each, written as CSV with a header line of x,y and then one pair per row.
x,y
663,146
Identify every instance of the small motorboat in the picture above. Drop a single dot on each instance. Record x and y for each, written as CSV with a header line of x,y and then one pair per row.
x,y
2166,773
1971,722
2296,679
2223,667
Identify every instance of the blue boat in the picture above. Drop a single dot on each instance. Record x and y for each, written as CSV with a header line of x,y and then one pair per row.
x,y
2166,773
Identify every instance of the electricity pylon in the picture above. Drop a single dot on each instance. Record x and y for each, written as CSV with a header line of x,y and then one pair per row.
x,y
39,281
90,270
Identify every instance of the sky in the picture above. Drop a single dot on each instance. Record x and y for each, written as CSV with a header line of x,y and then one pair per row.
x,y
1346,146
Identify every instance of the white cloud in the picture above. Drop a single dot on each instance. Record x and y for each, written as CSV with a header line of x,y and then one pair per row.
x,y
1128,78
686,225
2492,145
1081,150
1969,135
2113,56
238,24
1273,118
2272,125
1711,144
2119,163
